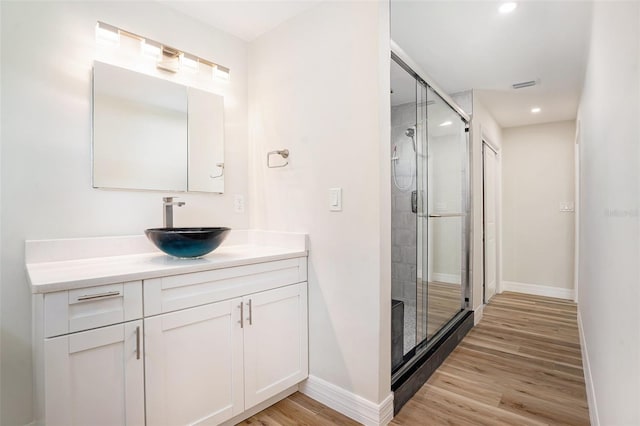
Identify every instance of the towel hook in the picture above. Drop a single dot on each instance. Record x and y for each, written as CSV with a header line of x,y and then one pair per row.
x,y
284,153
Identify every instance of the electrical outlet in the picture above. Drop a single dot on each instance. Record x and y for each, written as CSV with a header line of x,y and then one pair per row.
x,y
238,203
567,206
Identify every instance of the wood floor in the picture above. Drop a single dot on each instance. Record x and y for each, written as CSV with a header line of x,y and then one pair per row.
x,y
521,365
299,409
444,302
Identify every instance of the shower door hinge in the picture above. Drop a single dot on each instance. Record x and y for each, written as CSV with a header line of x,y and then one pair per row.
x,y
466,130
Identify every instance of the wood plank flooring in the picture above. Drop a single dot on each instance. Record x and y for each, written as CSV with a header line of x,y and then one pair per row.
x,y
444,302
521,365
299,409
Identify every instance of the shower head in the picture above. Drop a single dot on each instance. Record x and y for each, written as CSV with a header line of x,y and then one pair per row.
x,y
411,132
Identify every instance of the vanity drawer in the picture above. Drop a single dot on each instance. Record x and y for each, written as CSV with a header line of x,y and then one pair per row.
x,y
177,292
91,307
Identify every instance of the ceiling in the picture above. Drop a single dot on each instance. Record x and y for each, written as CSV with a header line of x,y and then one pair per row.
x,y
244,19
462,45
466,45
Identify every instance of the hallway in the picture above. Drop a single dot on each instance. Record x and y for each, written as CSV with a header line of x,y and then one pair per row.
x,y
520,365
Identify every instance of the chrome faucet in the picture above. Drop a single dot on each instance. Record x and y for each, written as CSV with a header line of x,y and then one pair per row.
x,y
167,210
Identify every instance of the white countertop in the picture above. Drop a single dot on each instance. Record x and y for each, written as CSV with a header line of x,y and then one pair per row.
x,y
58,273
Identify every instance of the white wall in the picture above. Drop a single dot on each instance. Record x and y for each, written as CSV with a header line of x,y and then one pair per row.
x,y
319,86
47,54
484,127
537,175
609,275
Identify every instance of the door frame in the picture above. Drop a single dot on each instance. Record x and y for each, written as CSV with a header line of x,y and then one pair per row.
x,y
487,144
576,203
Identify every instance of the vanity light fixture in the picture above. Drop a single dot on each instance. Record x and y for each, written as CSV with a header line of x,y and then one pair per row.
x,y
150,49
446,123
189,62
507,7
107,35
167,58
535,110
221,73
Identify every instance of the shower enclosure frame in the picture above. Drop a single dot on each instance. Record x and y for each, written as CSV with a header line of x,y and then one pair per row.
x,y
415,357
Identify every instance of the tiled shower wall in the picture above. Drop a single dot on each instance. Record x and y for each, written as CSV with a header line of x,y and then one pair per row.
x,y
403,221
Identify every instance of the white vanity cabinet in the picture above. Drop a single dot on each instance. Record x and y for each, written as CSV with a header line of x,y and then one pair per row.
x,y
194,365
95,377
144,339
88,359
275,342
209,363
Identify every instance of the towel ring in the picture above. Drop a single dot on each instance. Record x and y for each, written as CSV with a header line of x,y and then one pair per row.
x,y
284,153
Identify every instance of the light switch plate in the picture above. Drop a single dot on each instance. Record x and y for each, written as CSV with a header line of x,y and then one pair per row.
x,y
335,199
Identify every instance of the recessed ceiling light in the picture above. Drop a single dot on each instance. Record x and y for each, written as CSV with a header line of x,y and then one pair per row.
x,y
507,7
535,110
446,123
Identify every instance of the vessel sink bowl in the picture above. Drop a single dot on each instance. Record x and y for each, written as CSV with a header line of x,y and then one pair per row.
x,y
187,242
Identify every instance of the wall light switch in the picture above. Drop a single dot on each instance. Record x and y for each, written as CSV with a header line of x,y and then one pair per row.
x,y
335,199
238,203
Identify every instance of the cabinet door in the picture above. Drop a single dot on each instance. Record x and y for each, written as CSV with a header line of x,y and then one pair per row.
x,y
275,341
95,377
194,365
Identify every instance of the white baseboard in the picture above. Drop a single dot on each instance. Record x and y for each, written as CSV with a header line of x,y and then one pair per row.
x,y
347,403
588,380
477,314
538,290
446,278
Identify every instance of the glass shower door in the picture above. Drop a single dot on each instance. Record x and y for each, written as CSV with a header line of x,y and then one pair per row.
x,y
429,216
403,217
443,216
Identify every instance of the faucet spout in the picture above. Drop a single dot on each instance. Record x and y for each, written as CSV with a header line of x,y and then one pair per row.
x,y
167,210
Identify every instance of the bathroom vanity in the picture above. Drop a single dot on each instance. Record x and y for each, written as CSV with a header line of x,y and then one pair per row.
x,y
124,334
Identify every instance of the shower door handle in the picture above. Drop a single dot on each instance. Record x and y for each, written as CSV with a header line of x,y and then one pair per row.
x,y
414,201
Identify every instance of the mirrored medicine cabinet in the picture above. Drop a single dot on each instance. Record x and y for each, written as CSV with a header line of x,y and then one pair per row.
x,y
154,134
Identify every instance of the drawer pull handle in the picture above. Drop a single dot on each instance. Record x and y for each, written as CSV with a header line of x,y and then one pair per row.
x,y
250,313
241,315
99,295
138,342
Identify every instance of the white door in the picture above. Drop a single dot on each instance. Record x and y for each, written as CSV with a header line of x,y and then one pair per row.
x,y
275,341
194,365
95,377
490,250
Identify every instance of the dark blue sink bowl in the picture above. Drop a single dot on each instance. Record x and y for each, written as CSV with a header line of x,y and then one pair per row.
x,y
187,242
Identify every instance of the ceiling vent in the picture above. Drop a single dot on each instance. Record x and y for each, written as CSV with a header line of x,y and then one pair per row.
x,y
524,84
